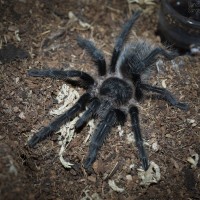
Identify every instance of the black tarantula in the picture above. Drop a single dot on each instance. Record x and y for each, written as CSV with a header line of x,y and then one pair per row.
x,y
112,96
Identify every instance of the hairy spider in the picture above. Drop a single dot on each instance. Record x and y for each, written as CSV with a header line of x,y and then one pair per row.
x,y
113,95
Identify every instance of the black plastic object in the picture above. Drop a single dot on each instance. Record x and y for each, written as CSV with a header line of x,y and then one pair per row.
x,y
179,23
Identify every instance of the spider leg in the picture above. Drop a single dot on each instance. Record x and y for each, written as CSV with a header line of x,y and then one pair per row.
x,y
121,38
95,53
62,75
79,83
99,136
151,58
165,94
138,66
138,137
138,92
92,108
58,122
121,116
137,82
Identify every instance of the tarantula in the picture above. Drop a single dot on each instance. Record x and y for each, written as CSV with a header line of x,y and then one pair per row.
x,y
113,95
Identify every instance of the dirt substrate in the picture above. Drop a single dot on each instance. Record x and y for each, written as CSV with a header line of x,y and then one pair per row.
x,y
42,31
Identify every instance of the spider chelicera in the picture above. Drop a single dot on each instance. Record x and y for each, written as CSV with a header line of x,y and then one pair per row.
x,y
113,95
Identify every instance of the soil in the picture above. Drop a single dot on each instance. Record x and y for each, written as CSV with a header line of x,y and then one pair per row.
x,y
42,29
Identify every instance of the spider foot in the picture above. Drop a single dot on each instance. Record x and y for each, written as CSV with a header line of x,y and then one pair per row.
x,y
88,162
33,141
37,73
170,55
41,135
145,163
138,94
88,165
182,106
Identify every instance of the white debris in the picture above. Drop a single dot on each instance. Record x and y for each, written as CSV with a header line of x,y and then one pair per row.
x,y
152,175
120,130
91,125
17,36
195,49
30,93
65,164
68,132
114,187
68,96
17,80
133,1
87,196
192,122
94,196
84,24
160,66
130,138
132,166
155,146
129,177
141,2
12,168
16,109
193,160
176,65
21,115
74,18
164,83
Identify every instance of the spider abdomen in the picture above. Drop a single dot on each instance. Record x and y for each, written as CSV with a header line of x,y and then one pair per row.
x,y
116,90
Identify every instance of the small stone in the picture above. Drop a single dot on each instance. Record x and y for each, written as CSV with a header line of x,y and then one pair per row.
x,y
191,121
99,167
164,83
22,116
92,179
194,124
17,80
16,109
168,136
12,28
129,177
155,146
